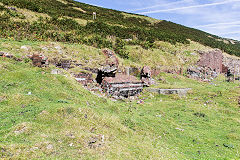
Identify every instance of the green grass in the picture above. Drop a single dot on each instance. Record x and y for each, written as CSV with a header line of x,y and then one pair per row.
x,y
38,126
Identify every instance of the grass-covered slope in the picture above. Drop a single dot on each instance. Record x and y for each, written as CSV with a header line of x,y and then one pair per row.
x,y
44,116
70,21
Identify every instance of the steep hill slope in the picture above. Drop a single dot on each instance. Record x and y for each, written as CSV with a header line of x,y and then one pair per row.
x,y
62,18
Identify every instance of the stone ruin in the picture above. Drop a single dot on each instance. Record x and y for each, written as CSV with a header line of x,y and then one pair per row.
x,y
84,78
209,66
233,65
146,76
64,63
39,60
122,85
212,60
111,67
7,55
115,84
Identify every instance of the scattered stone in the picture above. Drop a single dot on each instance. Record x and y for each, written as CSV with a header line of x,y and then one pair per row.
x,y
228,146
44,112
179,91
22,128
179,129
193,54
1,54
12,8
56,71
49,147
199,114
58,47
140,102
96,141
35,148
5,54
24,48
71,144
209,102
45,48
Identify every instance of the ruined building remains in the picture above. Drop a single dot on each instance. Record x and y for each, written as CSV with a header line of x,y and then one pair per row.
x,y
146,76
209,66
110,68
115,84
122,85
212,60
84,78
39,60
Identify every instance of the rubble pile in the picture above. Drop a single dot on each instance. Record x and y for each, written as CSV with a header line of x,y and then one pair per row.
x,y
146,76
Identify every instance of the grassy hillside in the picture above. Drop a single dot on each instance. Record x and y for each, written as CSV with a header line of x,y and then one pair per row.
x,y
61,120
70,21
45,116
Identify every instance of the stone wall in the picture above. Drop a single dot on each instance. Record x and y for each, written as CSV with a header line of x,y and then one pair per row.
x,y
212,60
232,63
